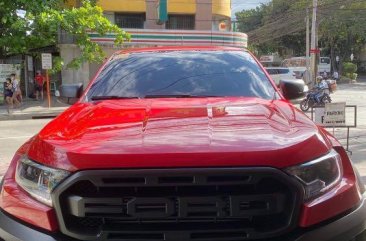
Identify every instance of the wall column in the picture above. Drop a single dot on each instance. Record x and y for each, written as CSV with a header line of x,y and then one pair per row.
x,y
68,52
152,15
203,15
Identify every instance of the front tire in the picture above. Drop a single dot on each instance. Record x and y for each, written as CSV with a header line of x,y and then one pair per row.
x,y
304,105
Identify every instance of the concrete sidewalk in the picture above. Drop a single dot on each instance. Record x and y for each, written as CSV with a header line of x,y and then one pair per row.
x,y
31,109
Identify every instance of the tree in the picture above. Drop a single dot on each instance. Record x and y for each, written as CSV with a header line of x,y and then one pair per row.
x,y
280,25
275,27
250,19
26,25
342,29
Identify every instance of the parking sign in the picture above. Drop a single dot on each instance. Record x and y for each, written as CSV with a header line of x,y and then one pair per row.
x,y
46,61
335,114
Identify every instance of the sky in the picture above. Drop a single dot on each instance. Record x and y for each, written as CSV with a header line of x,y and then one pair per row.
x,y
238,5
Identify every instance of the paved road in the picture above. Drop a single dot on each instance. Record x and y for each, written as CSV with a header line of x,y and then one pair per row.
x,y
13,134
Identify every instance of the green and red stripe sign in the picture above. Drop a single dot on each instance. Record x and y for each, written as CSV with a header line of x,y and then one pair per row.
x,y
178,37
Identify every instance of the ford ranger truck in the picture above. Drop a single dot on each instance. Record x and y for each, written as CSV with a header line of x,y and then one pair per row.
x,y
182,144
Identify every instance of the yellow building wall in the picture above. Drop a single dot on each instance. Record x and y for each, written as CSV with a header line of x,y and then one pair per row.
x,y
182,6
221,7
123,5
70,3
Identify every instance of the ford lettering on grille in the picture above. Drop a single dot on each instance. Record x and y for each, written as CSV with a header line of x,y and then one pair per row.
x,y
179,207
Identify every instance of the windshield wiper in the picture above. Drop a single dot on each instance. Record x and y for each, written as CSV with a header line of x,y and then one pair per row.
x,y
179,96
113,97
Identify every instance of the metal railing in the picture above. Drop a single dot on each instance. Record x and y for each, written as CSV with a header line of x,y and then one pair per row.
x,y
130,20
183,22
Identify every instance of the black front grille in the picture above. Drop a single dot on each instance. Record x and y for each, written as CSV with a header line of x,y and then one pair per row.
x,y
221,204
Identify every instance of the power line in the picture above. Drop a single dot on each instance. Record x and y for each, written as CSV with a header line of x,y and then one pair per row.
x,y
292,23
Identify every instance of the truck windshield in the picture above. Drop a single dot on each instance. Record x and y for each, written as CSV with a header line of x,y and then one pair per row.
x,y
182,73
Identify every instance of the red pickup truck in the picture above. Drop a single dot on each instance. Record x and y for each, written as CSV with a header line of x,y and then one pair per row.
x,y
183,144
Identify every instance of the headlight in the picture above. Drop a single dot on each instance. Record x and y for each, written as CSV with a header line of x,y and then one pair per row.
x,y
320,175
39,181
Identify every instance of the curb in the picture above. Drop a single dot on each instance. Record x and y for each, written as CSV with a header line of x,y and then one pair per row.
x,y
31,115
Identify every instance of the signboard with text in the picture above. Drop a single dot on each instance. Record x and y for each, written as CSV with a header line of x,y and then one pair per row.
x,y
335,114
332,114
46,61
266,58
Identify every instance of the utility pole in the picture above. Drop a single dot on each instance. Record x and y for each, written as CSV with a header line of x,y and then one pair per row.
x,y
314,50
308,74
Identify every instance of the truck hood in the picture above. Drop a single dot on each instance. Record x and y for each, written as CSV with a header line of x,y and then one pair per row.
x,y
164,133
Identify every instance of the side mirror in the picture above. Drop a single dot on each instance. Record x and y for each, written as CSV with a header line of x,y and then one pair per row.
x,y
70,93
293,88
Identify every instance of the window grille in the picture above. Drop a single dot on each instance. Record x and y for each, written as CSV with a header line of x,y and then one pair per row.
x,y
185,22
128,20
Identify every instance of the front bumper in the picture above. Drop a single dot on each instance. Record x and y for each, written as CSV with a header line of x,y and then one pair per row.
x,y
342,229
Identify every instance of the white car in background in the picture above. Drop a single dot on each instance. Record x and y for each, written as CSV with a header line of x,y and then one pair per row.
x,y
286,76
278,73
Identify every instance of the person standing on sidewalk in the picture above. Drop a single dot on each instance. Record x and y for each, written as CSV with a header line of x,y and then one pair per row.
x,y
8,92
39,81
17,93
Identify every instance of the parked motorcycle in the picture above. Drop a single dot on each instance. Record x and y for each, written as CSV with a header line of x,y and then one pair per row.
x,y
311,100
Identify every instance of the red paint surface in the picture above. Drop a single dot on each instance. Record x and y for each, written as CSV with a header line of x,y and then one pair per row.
x,y
164,133
339,200
200,132
15,201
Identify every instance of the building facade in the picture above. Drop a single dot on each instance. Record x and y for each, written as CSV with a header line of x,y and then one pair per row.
x,y
182,14
189,22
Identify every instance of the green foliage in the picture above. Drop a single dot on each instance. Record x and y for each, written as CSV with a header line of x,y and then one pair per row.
x,y
279,26
349,68
42,22
354,76
342,30
250,19
270,27
57,64
79,22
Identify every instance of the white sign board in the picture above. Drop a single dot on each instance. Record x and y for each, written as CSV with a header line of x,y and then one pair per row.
x,y
266,58
7,69
46,61
335,114
319,115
